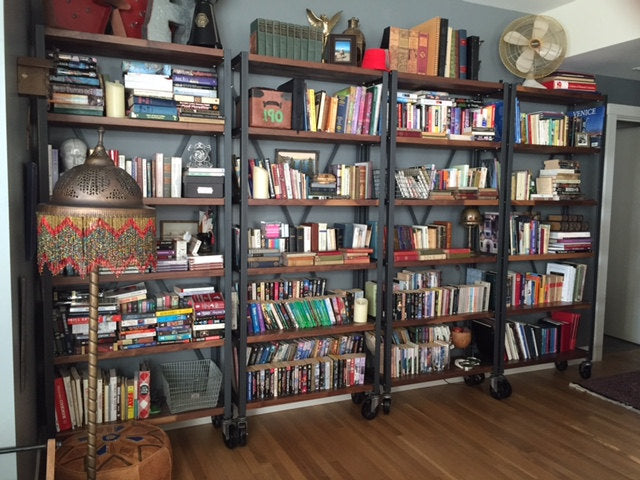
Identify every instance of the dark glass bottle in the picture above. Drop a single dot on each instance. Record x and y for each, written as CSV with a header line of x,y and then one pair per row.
x,y
353,28
204,30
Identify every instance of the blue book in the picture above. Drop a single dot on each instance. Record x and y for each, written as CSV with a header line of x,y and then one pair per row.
x,y
159,102
196,80
341,115
156,109
462,53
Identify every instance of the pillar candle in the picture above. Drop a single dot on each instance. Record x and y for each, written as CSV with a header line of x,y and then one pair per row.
x,y
115,99
260,182
360,310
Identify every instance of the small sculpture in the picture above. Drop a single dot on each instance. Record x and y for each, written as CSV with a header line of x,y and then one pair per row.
x,y
73,152
325,23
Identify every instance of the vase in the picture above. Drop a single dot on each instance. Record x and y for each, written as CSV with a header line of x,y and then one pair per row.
x,y
353,28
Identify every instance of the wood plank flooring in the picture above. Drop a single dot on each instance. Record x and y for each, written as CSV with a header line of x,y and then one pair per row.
x,y
545,430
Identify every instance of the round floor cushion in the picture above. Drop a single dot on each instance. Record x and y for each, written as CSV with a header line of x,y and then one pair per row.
x,y
124,451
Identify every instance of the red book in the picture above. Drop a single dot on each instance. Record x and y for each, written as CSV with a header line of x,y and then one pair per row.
x,y
566,85
63,415
569,333
207,301
405,255
72,320
144,391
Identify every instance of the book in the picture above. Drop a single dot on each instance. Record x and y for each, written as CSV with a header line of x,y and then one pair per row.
x,y
144,391
61,403
568,85
433,29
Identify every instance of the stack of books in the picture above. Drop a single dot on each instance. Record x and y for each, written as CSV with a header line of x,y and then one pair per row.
x,y
561,80
208,316
174,325
329,257
137,330
149,91
206,262
559,179
76,85
196,94
570,242
263,257
356,255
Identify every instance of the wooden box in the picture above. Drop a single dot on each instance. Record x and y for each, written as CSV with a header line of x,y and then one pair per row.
x,y
269,108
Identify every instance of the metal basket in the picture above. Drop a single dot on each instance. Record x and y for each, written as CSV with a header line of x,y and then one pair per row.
x,y
191,385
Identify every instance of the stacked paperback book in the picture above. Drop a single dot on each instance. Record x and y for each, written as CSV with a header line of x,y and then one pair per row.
x,y
76,86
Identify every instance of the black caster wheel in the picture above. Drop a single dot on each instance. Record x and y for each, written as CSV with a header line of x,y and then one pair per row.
x,y
585,369
242,434
472,380
357,398
231,438
386,405
562,365
502,389
216,420
367,411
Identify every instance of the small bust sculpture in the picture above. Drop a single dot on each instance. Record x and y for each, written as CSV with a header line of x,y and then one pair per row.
x,y
73,151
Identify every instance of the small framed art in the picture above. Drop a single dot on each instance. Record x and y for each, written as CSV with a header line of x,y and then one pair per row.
x,y
341,49
306,161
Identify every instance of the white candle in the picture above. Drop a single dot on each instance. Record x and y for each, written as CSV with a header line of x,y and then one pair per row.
x,y
260,182
360,310
115,99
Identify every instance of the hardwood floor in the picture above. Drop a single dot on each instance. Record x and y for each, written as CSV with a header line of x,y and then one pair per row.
x,y
545,430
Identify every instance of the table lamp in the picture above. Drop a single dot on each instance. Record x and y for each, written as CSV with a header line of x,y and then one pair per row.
x,y
95,218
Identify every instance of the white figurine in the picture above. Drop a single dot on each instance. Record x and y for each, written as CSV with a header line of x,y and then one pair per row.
x,y
73,151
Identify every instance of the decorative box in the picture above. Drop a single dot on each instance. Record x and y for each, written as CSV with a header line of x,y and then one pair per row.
x,y
200,186
269,108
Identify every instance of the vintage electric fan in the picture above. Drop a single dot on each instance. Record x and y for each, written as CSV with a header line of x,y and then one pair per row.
x,y
533,47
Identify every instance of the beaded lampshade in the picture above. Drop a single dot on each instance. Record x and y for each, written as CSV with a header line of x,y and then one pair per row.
x,y
95,218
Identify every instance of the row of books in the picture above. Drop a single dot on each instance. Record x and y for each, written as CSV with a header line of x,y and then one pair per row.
x,y
579,127
354,109
285,289
76,86
558,285
312,236
419,358
433,48
421,181
332,372
309,312
421,334
441,301
436,114
285,40
118,397
558,180
549,335
304,348
531,236
436,235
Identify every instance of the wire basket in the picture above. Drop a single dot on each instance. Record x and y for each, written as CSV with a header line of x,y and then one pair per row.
x,y
191,385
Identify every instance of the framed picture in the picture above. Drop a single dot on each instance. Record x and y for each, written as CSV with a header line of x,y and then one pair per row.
x,y
177,228
341,49
306,161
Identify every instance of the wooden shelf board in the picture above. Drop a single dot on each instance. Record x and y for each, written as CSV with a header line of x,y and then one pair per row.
x,y
448,261
538,149
332,202
317,137
550,256
308,396
191,202
410,81
132,48
415,322
563,97
448,144
559,357
141,352
454,202
452,372
279,335
134,124
61,281
545,307
166,418
587,202
310,268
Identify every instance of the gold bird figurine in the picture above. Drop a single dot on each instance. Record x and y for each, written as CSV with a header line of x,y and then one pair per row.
x,y
325,23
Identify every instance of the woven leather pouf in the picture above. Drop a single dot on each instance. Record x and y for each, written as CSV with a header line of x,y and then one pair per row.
x,y
124,451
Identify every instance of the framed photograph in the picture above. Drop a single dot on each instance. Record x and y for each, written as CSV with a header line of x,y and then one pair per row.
x,y
341,49
305,161
177,228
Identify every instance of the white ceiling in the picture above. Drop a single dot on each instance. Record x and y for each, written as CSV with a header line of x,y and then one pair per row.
x,y
614,49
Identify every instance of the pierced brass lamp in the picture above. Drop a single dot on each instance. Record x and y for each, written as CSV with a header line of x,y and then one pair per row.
x,y
95,218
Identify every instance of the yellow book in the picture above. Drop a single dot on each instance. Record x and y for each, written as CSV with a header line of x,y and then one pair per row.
x,y
311,109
